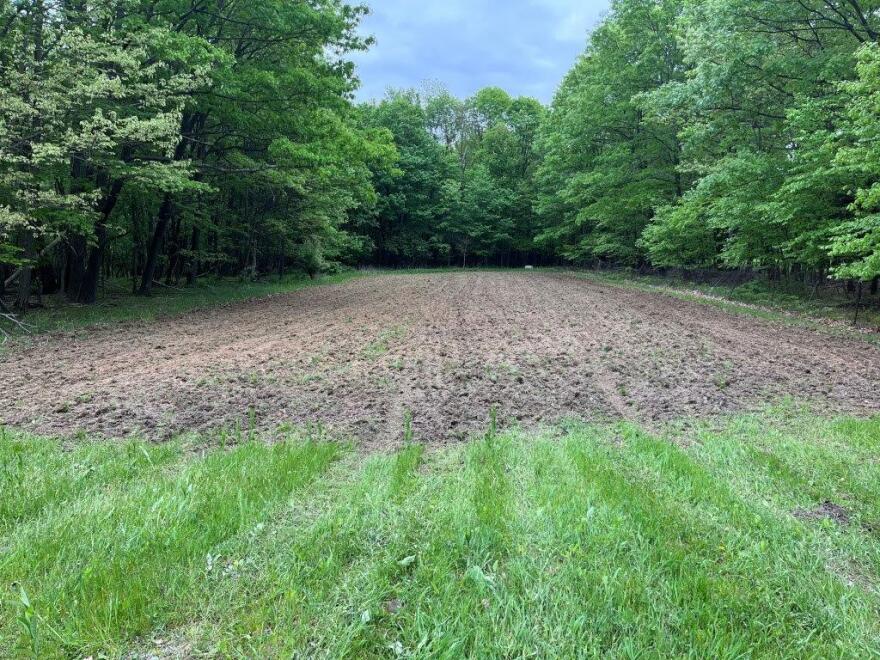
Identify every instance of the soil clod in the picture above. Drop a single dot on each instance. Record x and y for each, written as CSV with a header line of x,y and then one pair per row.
x,y
826,511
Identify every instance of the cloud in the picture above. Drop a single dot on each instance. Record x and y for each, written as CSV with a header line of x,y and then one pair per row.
x,y
524,46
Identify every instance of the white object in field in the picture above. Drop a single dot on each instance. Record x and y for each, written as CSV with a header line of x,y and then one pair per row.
x,y
530,268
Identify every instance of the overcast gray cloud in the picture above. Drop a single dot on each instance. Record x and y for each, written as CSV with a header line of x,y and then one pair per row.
x,y
524,46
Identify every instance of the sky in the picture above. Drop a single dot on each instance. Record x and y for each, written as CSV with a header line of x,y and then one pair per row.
x,y
523,46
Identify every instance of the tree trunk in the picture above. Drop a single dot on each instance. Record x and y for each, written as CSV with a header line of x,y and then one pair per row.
x,y
858,303
173,270
165,212
88,290
193,259
62,271
76,252
23,294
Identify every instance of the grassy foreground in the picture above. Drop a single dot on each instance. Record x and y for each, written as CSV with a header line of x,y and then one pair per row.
x,y
595,541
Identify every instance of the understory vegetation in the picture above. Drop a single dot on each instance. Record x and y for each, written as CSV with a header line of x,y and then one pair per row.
x,y
754,535
166,141
779,301
119,304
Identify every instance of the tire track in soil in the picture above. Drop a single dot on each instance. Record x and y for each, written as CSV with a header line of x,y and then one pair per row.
x,y
447,347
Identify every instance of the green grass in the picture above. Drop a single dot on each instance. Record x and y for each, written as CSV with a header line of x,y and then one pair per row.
x,y
382,344
790,304
595,541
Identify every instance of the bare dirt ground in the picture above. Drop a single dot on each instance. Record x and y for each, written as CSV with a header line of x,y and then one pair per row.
x,y
447,347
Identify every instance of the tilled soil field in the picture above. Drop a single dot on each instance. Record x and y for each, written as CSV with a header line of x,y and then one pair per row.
x,y
354,358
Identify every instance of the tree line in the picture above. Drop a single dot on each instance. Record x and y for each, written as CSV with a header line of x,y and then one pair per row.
x,y
720,134
461,189
157,141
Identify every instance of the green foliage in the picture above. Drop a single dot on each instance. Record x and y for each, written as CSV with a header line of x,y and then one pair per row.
x,y
719,133
855,244
84,103
608,164
462,185
162,140
410,197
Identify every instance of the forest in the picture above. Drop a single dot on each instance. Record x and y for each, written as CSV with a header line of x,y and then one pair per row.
x,y
163,140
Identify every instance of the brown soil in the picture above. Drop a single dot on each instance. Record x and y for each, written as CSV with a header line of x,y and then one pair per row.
x,y
447,347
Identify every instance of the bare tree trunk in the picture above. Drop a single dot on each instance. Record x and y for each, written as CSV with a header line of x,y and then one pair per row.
x,y
76,252
88,291
162,222
172,272
25,276
62,271
858,303
193,272
166,210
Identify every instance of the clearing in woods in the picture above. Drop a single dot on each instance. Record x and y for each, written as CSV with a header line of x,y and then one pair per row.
x,y
447,348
